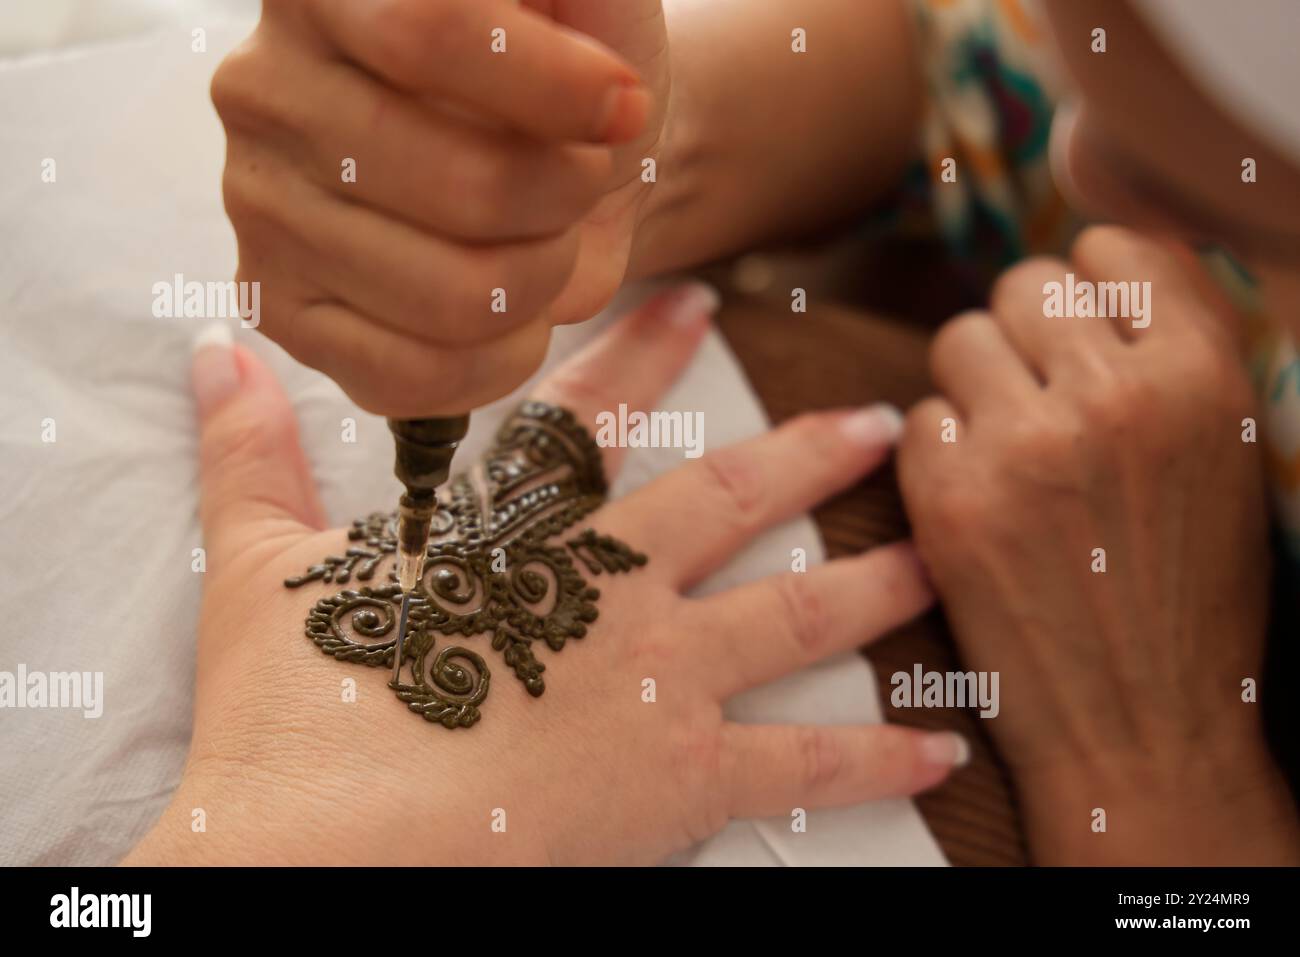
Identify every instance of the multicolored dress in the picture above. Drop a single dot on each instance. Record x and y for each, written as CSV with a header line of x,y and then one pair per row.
x,y
992,89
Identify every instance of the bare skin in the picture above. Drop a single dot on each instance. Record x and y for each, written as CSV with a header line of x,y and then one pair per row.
x,y
1122,691
589,773
1143,145
1060,429
525,171
1068,445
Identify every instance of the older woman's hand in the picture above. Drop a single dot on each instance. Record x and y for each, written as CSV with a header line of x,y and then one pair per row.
x,y
1098,535
287,772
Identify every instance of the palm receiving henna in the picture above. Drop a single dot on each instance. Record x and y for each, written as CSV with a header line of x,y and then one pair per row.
x,y
589,772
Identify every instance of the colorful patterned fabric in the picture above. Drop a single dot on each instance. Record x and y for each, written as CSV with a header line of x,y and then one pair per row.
x,y
991,93
991,96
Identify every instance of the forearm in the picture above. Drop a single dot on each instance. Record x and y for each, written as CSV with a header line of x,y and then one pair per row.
x,y
1215,809
762,142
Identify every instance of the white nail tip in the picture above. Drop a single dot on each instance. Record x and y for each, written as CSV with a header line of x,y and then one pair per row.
x,y
893,418
214,334
962,748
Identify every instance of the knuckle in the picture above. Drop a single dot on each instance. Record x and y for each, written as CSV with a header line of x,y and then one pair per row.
x,y
949,342
901,576
820,757
1023,283
705,773
956,327
653,657
922,420
954,510
408,33
403,363
239,437
1114,402
241,90
1108,248
1213,364
557,263
1232,387
461,305
487,268
529,347
575,182
1096,242
805,613
737,482
378,394
243,205
228,90
1223,388
483,181
385,375
1197,355
1047,443
433,307
916,446
264,223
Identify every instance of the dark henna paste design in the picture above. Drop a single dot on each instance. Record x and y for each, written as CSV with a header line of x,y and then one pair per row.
x,y
489,570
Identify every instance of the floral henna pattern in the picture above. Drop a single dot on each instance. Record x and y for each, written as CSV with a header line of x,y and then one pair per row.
x,y
489,570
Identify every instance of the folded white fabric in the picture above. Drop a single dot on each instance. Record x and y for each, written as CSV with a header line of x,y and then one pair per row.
x,y
98,525
34,26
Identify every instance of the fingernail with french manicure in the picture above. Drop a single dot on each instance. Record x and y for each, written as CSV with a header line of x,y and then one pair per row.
x,y
946,748
214,374
874,426
691,303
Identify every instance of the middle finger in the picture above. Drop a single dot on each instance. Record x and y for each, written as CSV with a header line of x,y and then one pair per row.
x,y
769,628
696,517
421,164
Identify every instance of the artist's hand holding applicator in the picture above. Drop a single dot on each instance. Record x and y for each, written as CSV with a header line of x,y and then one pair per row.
x,y
424,187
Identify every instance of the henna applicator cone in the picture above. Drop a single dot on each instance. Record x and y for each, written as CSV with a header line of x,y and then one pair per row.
x,y
425,448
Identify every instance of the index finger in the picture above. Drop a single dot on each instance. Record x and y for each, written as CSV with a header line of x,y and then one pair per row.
x,y
633,363
529,72
1180,295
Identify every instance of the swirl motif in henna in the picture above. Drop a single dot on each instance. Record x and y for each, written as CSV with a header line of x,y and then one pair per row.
x,y
488,570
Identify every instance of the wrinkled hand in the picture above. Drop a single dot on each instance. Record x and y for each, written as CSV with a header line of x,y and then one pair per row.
x,y
287,772
1120,690
490,195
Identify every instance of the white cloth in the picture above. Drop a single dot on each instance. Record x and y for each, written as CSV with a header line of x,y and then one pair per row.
x,y
137,200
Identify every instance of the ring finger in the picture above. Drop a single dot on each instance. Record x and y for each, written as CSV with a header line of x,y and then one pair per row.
x,y
633,363
455,178
1022,305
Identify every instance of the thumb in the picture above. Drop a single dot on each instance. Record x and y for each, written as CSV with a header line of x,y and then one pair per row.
x,y
255,480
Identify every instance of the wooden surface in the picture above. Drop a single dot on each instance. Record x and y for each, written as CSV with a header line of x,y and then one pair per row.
x,y
834,356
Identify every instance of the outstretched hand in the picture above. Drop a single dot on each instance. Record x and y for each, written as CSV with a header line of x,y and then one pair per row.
x,y
590,772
